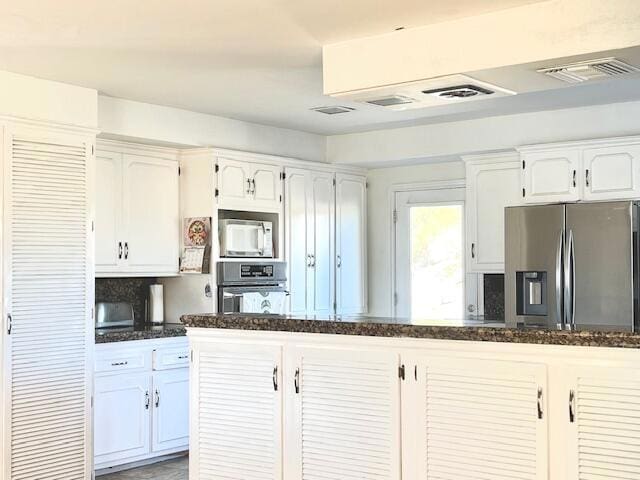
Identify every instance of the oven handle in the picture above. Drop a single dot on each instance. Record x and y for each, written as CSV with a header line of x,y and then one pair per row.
x,y
235,291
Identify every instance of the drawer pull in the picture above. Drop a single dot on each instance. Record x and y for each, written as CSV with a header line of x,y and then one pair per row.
x,y
183,357
119,364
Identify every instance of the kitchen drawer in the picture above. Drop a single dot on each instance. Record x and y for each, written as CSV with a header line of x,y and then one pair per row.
x,y
123,360
168,358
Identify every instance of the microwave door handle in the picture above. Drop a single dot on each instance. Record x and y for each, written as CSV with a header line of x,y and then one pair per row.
x,y
261,240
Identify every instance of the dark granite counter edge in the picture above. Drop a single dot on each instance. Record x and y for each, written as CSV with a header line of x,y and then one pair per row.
x,y
126,336
476,334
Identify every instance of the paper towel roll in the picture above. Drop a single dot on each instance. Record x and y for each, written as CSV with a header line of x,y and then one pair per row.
x,y
156,304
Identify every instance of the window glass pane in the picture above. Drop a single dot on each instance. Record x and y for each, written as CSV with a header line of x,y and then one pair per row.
x,y
437,270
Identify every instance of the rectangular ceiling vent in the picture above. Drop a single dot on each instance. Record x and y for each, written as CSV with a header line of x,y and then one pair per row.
x,y
390,101
333,110
589,70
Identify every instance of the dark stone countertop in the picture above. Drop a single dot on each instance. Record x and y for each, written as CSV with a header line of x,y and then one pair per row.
x,y
471,330
140,332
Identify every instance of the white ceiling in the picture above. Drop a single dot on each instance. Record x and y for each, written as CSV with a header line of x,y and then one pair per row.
x,y
254,60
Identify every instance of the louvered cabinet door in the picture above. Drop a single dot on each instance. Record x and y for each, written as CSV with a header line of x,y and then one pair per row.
x,y
347,415
603,419
48,263
477,420
236,405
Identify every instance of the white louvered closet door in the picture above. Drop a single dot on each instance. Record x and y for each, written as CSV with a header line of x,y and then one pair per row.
x,y
49,271
237,412
603,421
476,420
347,415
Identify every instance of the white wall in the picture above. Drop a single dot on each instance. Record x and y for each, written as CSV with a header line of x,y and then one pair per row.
x,y
381,182
135,120
483,135
36,99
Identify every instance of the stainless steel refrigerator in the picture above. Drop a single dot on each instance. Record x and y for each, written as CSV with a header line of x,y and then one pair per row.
x,y
572,266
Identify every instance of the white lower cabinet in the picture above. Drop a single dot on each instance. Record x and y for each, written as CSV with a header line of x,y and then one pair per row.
x,y
602,422
121,423
140,411
470,419
236,397
354,408
346,415
171,409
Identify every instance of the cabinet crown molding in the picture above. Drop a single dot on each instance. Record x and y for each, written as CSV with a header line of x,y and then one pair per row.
x,y
581,144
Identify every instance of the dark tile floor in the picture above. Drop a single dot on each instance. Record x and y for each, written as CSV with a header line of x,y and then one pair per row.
x,y
177,469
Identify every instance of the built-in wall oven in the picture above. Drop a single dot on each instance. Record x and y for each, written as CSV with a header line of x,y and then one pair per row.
x,y
252,287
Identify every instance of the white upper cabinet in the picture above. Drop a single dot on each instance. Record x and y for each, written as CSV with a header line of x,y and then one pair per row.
x,y
607,169
551,176
108,211
310,231
612,172
351,238
137,211
245,185
492,183
151,214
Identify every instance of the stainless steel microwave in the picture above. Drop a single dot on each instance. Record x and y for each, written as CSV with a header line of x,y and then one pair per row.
x,y
245,238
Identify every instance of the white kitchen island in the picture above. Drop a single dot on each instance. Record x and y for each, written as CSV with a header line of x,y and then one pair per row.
x,y
292,398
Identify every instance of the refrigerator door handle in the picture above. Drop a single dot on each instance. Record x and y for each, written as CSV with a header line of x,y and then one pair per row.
x,y
566,283
572,259
559,319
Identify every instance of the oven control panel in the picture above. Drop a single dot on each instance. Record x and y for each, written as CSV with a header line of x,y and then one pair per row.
x,y
256,270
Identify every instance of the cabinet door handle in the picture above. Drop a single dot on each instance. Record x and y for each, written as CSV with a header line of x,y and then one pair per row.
x,y
146,400
274,378
296,380
313,260
157,393
574,178
253,188
586,177
473,250
248,186
572,406
119,250
339,263
308,260
126,250
9,324
540,399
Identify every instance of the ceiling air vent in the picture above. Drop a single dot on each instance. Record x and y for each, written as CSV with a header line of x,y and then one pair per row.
x,y
589,70
391,101
333,110
458,91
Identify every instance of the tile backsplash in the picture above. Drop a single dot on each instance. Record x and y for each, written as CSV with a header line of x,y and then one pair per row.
x,y
129,289
494,296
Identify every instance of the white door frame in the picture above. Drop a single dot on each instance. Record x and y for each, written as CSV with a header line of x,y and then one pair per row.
x,y
412,187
